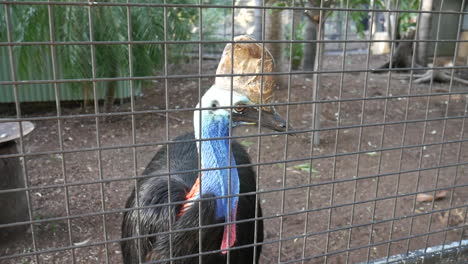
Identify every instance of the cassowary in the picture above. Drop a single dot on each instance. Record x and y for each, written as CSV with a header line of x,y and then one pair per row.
x,y
183,156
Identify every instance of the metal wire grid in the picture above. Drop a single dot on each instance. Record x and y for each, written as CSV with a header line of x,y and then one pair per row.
x,y
305,256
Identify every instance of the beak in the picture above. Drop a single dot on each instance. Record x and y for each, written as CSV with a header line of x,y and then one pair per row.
x,y
270,119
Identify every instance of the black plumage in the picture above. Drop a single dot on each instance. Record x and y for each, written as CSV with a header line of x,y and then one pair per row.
x,y
153,191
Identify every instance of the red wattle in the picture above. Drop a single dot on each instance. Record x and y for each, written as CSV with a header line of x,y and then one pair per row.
x,y
231,229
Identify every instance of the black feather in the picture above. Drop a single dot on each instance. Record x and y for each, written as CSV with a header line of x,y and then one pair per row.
x,y
153,191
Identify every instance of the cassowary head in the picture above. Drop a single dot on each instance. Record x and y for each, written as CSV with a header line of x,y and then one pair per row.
x,y
231,102
220,104
231,95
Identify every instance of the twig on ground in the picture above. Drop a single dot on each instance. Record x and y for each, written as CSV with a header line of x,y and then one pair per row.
x,y
171,117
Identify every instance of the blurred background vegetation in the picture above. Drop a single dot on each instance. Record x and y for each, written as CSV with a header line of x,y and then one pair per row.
x,y
112,26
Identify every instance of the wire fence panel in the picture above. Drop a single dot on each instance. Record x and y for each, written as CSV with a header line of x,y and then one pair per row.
x,y
150,132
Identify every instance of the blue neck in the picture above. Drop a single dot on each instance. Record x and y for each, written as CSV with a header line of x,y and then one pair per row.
x,y
215,154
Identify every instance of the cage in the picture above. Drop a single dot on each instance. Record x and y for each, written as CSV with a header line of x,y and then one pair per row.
x,y
368,166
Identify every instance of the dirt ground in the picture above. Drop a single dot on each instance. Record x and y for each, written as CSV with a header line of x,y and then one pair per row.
x,y
349,206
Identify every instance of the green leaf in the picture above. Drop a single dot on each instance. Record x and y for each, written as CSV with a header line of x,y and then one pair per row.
x,y
279,4
305,167
246,143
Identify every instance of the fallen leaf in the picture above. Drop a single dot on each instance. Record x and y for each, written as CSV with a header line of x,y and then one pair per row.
x,y
424,197
440,195
84,242
305,167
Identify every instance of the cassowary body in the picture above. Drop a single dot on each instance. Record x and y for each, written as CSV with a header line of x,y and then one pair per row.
x,y
153,191
155,219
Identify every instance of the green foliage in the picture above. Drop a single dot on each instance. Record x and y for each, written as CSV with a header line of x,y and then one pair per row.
x,y
407,19
22,33
280,3
297,48
110,23
357,16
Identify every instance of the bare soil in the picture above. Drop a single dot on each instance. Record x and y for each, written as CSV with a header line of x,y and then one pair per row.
x,y
340,204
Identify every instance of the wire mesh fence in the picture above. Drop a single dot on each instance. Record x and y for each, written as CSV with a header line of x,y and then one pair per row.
x,y
368,165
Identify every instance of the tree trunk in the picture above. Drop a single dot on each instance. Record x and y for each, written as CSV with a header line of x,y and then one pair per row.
x,y
313,54
110,96
316,112
388,21
373,20
87,94
258,21
424,32
402,55
111,87
274,31
309,48
394,24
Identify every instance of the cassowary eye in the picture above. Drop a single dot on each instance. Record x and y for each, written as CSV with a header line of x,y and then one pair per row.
x,y
240,108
